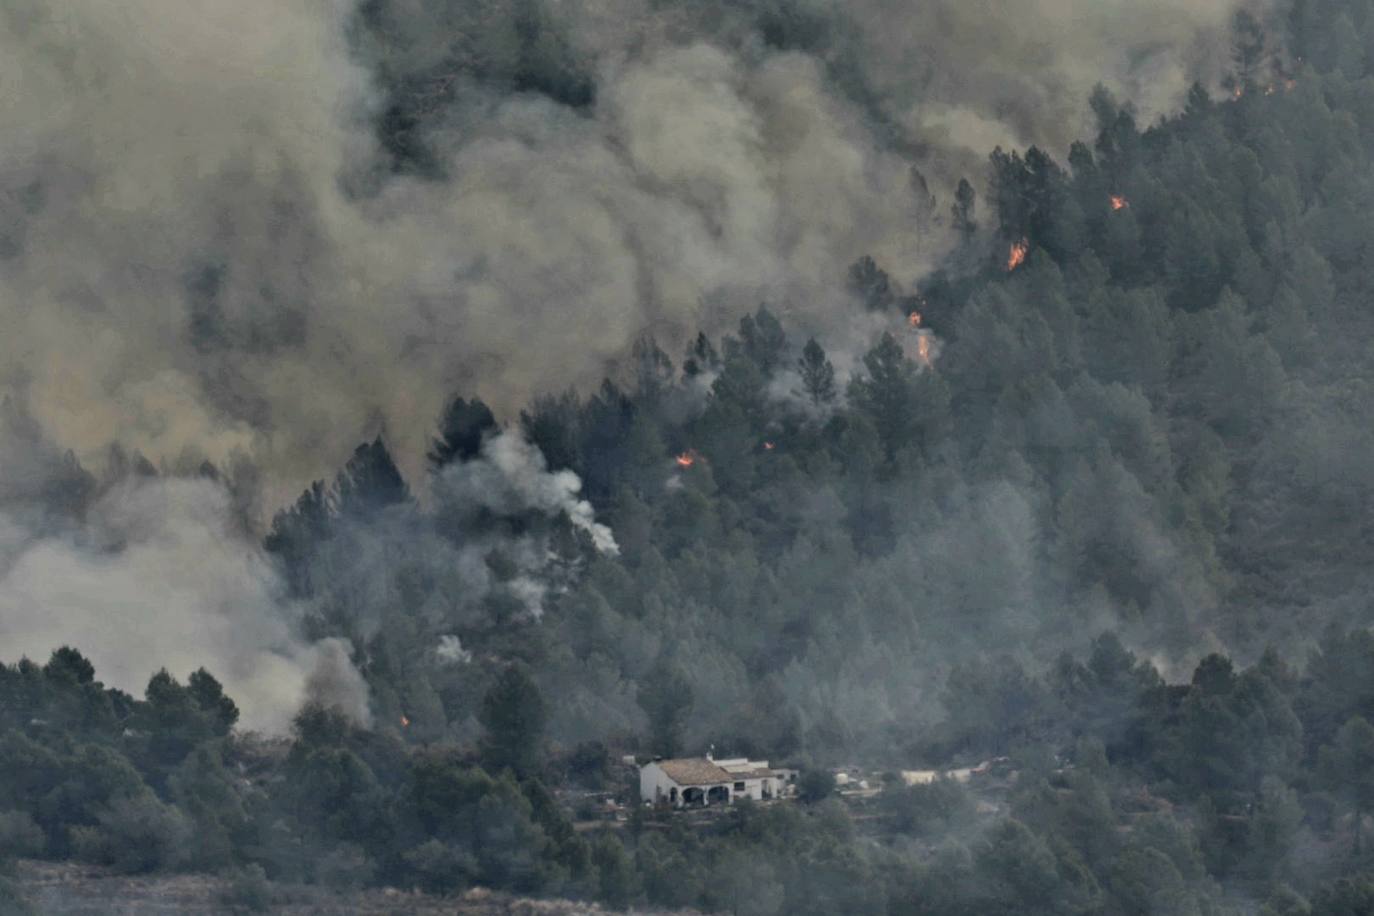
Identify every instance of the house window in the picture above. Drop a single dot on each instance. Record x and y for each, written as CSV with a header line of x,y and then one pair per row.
x,y
739,787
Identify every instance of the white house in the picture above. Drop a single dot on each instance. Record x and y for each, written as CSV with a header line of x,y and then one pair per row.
x,y
963,774
700,781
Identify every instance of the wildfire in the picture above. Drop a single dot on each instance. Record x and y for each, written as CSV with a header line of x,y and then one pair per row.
x,y
1018,255
923,350
768,446
686,459
914,319
405,721
1119,202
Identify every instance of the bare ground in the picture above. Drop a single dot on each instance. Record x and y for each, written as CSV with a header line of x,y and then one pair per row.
x,y
68,889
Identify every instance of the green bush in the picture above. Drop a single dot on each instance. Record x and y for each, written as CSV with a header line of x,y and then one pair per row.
x,y
815,785
345,867
440,867
248,889
12,903
136,834
20,835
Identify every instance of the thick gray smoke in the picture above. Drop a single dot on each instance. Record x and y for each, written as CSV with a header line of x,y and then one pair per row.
x,y
156,577
142,571
203,253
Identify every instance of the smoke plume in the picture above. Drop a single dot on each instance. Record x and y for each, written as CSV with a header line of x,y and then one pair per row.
x,y
511,476
157,577
210,245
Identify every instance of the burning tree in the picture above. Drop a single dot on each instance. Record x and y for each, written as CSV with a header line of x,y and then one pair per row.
x,y
1017,256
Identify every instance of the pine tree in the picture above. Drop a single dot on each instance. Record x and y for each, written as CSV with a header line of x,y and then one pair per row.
x,y
701,358
666,698
514,714
1250,51
763,339
295,534
462,429
870,284
817,374
369,482
887,394
964,210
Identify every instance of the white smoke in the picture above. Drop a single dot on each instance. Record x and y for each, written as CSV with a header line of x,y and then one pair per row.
x,y
159,576
530,592
450,651
511,476
336,684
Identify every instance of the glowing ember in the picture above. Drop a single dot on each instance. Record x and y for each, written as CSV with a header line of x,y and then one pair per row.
x,y
768,446
1018,255
914,319
405,721
1119,202
686,460
923,350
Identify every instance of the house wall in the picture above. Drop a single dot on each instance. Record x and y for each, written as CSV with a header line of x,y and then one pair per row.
x,y
654,784
759,787
926,777
751,788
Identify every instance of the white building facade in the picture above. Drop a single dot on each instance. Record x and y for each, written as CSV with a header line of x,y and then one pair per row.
x,y
701,781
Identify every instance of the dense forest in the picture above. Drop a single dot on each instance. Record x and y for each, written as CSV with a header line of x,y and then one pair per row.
x,y
1094,496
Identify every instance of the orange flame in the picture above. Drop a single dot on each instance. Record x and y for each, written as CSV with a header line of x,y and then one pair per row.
x,y
405,721
923,350
1119,202
686,459
914,319
1018,255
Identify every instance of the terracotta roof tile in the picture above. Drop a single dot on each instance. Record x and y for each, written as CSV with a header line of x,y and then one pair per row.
x,y
694,771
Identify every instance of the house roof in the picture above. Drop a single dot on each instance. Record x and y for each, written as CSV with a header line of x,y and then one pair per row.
x,y
694,771
741,765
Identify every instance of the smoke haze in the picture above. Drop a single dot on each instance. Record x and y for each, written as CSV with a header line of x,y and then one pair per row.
x,y
206,252
155,580
550,385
